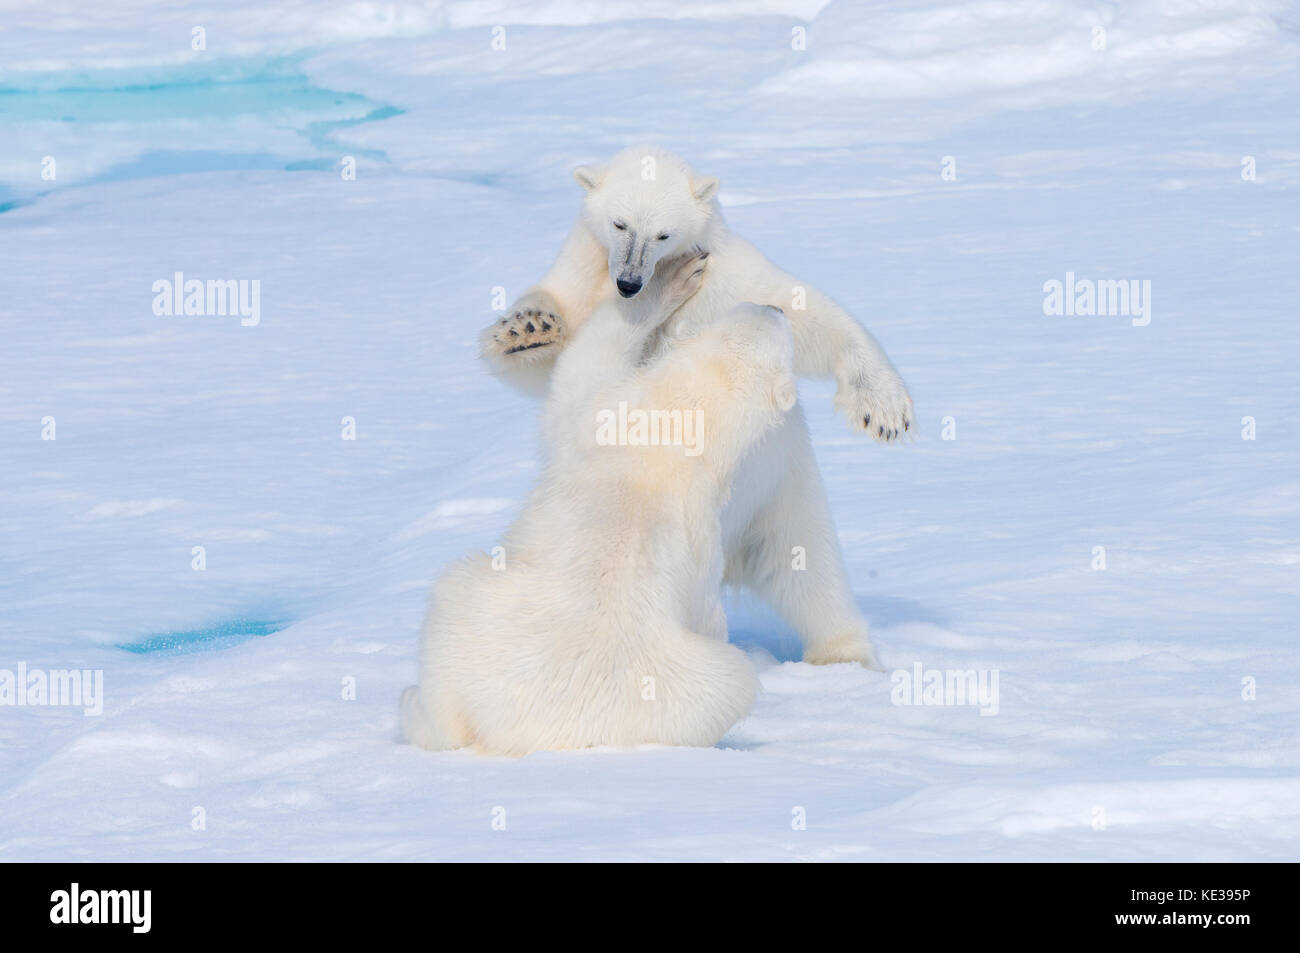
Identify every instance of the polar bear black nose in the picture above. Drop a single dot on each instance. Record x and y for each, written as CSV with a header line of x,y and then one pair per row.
x,y
628,288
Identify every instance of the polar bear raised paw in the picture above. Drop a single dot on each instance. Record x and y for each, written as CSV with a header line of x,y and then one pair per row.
x,y
523,330
882,408
683,279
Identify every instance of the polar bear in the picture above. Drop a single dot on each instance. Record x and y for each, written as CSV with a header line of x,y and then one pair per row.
x,y
604,625
646,206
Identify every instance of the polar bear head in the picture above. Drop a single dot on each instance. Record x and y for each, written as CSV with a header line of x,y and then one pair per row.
x,y
741,368
757,346
643,205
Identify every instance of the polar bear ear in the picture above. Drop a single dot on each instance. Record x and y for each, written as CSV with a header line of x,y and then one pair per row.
x,y
588,176
704,187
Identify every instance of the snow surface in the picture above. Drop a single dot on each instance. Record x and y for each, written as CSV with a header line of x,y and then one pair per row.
x,y
1122,730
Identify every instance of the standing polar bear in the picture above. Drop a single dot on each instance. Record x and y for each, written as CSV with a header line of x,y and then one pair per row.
x,y
646,206
604,626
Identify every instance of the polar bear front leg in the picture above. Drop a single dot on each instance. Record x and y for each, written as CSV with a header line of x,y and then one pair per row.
x,y
829,342
522,346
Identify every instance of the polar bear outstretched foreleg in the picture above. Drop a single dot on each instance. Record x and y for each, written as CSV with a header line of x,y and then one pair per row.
x,y
564,299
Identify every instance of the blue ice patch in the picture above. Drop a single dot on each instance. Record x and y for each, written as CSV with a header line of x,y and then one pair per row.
x,y
180,118
220,636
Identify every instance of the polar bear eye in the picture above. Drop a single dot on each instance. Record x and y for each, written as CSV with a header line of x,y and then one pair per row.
x,y
663,237
621,226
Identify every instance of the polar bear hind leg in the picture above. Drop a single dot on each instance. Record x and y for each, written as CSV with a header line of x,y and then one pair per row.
x,y
438,731
789,555
701,688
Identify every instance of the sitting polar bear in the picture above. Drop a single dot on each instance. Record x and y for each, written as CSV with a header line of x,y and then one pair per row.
x,y
644,207
604,626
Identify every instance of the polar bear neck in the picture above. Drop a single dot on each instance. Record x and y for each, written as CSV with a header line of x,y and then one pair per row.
x,y
639,520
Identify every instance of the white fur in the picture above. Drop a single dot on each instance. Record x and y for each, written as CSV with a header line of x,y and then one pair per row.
x,y
779,502
604,626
